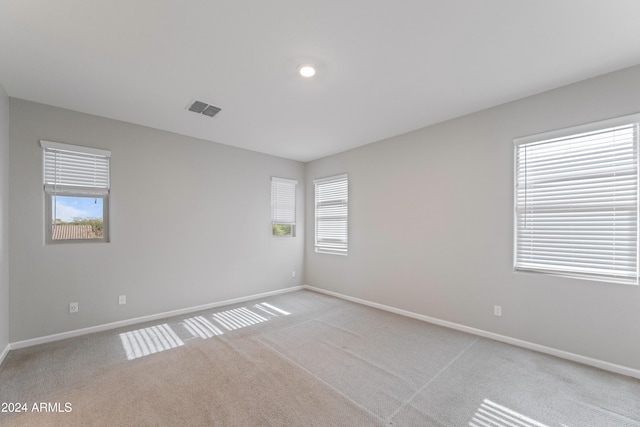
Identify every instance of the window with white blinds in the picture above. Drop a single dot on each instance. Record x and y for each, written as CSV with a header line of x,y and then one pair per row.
x,y
331,214
76,185
74,169
283,206
576,201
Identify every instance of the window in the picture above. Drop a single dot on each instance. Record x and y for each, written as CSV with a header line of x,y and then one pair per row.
x,y
76,186
283,206
332,199
576,201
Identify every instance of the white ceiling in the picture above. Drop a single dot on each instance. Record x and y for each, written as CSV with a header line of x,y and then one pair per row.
x,y
384,67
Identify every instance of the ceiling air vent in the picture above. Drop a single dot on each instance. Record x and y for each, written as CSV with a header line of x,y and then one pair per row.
x,y
204,108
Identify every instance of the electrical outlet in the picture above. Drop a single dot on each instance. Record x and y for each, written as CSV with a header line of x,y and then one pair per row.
x,y
73,307
122,300
497,310
293,273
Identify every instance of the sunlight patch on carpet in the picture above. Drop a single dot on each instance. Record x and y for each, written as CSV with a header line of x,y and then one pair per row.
x,y
491,414
200,327
146,341
266,306
238,318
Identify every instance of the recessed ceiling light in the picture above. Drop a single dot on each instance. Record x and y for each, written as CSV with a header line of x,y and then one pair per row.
x,y
307,71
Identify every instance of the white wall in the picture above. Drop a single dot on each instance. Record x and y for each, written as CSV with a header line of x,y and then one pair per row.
x,y
4,221
190,225
431,227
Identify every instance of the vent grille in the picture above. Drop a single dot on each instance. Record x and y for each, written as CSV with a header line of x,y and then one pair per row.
x,y
211,111
204,108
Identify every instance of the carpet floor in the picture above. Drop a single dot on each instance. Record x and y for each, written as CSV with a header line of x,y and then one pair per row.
x,y
304,359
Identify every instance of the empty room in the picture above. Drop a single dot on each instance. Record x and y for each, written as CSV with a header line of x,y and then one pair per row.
x,y
297,213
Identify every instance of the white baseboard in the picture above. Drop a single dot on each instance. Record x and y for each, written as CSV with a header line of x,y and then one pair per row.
x,y
4,353
612,367
121,323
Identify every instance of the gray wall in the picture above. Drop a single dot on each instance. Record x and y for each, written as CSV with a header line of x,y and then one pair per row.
x,y
190,225
4,220
431,227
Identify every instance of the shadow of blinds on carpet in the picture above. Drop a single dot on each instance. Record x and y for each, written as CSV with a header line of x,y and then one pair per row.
x,y
154,339
492,414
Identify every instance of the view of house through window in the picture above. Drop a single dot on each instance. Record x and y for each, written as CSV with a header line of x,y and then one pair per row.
x,y
77,217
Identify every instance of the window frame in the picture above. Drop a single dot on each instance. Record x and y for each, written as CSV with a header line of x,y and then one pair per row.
x,y
340,247
52,190
276,208
575,132
49,219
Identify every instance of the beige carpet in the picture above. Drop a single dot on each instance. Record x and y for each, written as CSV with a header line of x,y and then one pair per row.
x,y
305,359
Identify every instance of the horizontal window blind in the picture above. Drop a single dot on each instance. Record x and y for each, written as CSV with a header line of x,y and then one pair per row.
x,y
283,201
331,214
70,169
576,204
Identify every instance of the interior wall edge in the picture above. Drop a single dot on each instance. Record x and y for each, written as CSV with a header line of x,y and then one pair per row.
x,y
601,364
4,353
